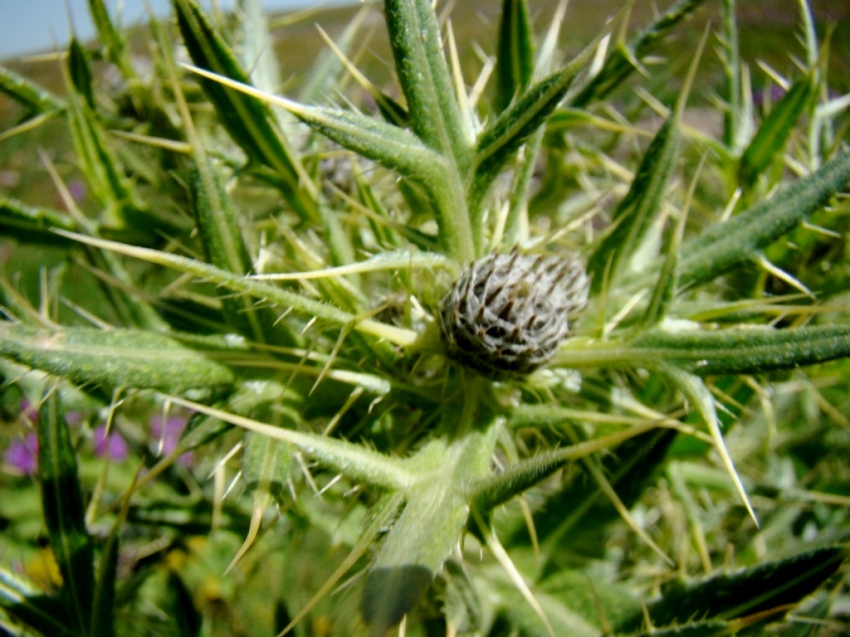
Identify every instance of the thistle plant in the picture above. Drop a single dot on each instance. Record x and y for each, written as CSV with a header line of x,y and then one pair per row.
x,y
498,345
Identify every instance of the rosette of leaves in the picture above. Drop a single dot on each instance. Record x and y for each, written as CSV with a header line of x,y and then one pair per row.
x,y
216,265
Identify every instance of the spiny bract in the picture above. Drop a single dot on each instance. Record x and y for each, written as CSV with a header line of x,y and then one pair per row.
x,y
508,313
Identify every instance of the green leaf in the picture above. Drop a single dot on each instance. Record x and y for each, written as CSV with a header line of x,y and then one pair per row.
x,y
28,223
747,592
64,513
249,122
514,53
257,289
771,137
28,93
728,244
580,509
122,358
352,460
225,248
435,118
115,46
29,605
489,492
425,534
428,529
391,146
79,68
734,111
744,350
99,164
498,143
424,78
634,214
624,59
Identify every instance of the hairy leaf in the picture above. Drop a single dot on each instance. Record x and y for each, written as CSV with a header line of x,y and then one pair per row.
x,y
769,141
424,78
728,244
625,58
752,590
498,143
744,350
121,358
514,53
28,93
249,122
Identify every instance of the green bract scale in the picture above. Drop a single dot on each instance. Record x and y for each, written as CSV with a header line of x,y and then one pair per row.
x,y
508,313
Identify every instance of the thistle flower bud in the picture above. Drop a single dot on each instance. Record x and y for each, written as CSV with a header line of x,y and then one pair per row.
x,y
508,313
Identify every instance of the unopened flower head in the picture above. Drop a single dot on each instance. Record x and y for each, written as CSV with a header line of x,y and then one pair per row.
x,y
508,313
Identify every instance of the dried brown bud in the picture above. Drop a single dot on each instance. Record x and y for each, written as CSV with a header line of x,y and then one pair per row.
x,y
508,313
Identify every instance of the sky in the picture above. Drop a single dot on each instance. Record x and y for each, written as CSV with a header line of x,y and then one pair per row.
x,y
36,26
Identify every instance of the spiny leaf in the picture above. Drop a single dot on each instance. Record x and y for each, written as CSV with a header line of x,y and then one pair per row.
x,y
668,277
225,248
28,93
635,214
64,513
396,260
350,459
498,143
730,243
699,397
115,45
28,223
392,111
774,584
121,358
248,121
514,53
424,78
492,491
99,164
435,117
769,141
428,529
257,289
79,68
395,148
734,110
744,350
624,59
389,145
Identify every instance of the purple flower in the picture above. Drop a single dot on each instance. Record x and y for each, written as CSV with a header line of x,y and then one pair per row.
x,y
167,434
111,445
23,455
